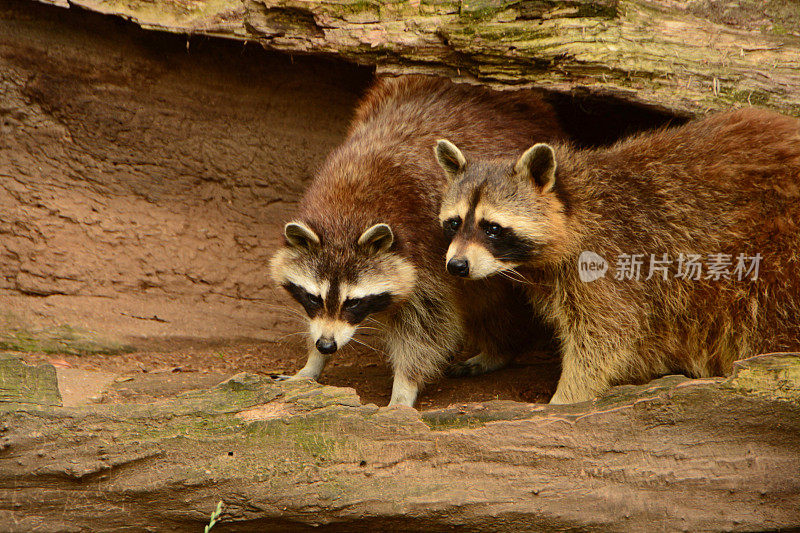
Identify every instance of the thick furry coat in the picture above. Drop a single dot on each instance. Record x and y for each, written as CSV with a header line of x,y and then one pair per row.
x,y
385,173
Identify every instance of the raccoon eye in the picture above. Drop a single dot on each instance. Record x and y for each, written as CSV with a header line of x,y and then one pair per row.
x,y
493,230
351,304
451,226
312,303
354,310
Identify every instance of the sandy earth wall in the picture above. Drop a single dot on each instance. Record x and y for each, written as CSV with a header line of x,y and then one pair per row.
x,y
144,177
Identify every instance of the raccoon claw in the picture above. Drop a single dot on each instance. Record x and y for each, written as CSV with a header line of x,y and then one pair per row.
x,y
475,366
463,369
286,377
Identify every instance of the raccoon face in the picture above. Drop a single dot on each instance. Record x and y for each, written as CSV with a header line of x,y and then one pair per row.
x,y
340,284
498,216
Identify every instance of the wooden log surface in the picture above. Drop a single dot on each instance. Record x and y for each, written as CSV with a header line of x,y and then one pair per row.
x,y
685,57
675,454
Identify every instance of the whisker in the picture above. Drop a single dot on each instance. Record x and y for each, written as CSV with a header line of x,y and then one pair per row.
x,y
505,274
368,328
296,320
290,334
348,346
521,276
529,282
381,324
517,278
280,306
379,352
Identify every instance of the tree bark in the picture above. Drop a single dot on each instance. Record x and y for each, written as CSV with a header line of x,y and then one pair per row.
x,y
675,454
685,57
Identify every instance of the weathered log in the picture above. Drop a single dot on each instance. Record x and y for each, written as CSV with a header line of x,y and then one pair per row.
x,y
676,454
686,57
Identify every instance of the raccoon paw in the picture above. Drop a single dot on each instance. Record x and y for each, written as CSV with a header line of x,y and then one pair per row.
x,y
458,370
286,377
474,366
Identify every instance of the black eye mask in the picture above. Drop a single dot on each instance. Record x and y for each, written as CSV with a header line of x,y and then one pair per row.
x,y
354,310
505,245
310,302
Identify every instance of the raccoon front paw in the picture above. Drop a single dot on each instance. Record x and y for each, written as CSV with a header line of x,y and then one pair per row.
x,y
404,392
562,397
462,369
474,366
296,377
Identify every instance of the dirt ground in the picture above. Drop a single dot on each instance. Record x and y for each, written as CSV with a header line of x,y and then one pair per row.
x,y
166,367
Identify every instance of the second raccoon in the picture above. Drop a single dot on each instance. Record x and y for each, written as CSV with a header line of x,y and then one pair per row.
x,y
723,189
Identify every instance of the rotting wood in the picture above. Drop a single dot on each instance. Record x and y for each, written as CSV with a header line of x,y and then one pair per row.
x,y
697,455
685,57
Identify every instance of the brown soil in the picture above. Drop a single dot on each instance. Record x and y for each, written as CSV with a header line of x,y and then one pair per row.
x,y
170,366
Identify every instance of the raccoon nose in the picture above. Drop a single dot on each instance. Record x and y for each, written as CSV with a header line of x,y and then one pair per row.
x,y
458,267
326,345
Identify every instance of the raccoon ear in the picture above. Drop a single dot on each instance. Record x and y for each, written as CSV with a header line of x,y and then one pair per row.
x,y
538,164
449,157
298,235
377,238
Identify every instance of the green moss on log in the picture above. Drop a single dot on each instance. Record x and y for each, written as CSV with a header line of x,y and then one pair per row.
x,y
775,376
17,336
687,59
21,383
292,455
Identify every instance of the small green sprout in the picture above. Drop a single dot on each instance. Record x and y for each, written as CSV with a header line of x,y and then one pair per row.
x,y
214,517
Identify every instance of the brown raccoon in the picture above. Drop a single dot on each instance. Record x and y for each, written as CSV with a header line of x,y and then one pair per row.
x,y
367,238
721,192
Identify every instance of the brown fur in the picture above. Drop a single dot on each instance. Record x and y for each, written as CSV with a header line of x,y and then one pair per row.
x,y
729,183
385,172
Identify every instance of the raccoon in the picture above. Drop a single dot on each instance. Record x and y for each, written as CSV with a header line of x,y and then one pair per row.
x,y
366,241
722,190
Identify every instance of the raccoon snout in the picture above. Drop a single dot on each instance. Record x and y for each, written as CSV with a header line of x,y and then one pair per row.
x,y
326,345
458,267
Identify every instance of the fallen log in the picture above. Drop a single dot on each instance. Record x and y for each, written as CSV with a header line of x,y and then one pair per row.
x,y
684,57
675,454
